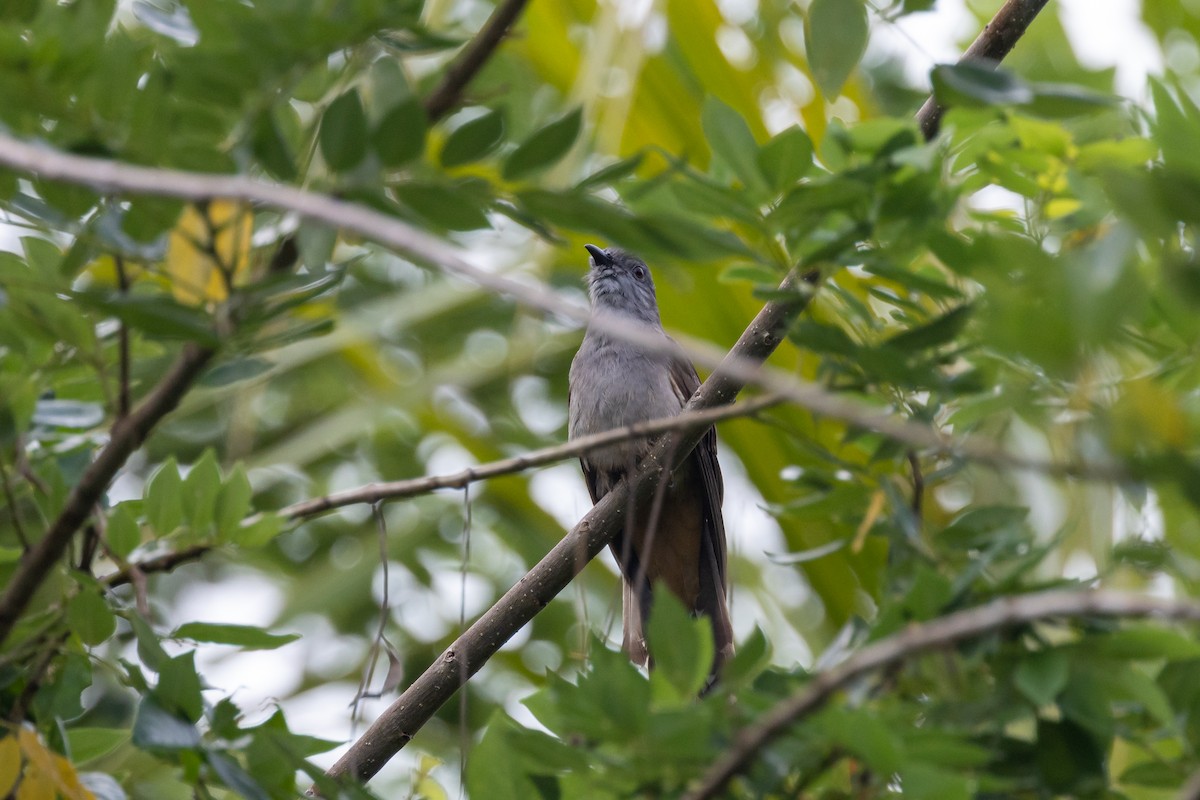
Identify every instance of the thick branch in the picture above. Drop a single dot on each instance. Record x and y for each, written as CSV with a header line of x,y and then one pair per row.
x,y
127,435
1004,612
397,725
447,93
991,46
395,490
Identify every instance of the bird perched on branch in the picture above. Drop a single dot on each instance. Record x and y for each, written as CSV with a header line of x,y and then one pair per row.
x,y
679,539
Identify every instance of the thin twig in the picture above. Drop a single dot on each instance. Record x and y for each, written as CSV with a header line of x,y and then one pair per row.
x,y
127,436
446,94
394,490
164,563
1004,612
13,511
122,344
991,46
918,482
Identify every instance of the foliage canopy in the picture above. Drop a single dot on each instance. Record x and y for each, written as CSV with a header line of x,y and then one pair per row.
x,y
1028,279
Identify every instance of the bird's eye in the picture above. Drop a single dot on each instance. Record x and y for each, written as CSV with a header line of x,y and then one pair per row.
x,y
639,273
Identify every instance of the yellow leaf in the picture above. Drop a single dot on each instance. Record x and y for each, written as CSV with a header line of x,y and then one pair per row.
x,y
209,250
36,785
1061,207
68,780
430,789
10,764
49,768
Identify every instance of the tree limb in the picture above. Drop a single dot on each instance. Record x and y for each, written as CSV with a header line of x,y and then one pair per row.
x,y
1003,612
127,435
395,490
994,42
447,93
112,176
396,726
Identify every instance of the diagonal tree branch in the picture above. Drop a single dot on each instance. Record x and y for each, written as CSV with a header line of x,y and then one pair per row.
x,y
396,726
446,94
1004,612
127,435
991,46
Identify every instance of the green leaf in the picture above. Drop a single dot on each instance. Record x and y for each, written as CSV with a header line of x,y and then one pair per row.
x,y
233,503
158,729
155,314
863,734
164,499
835,38
228,372
612,173
236,778
927,780
1068,758
494,771
473,140
1056,100
945,328
90,617
976,85
259,532
732,143
178,686
86,744
61,698
343,136
680,644
452,209
200,490
1143,642
246,637
1041,676
272,149
123,532
754,273
400,135
149,648
749,660
786,158
544,147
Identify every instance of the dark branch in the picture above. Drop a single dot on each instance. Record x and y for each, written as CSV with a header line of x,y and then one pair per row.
x,y
127,435
991,46
164,563
1004,612
397,725
446,94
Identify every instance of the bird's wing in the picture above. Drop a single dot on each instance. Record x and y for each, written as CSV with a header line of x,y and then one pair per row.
x,y
685,382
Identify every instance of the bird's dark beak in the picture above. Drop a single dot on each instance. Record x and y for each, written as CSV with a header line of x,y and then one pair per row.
x,y
599,257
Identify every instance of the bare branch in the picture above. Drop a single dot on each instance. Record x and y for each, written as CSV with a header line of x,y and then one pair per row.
x,y
127,436
991,46
1004,612
447,93
395,490
164,563
122,344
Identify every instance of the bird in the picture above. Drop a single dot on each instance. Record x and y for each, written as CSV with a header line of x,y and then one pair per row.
x,y
614,383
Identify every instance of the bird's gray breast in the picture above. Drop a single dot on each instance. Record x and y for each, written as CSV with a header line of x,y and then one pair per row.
x,y
614,384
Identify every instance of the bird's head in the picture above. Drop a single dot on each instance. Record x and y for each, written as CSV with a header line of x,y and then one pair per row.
x,y
620,282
